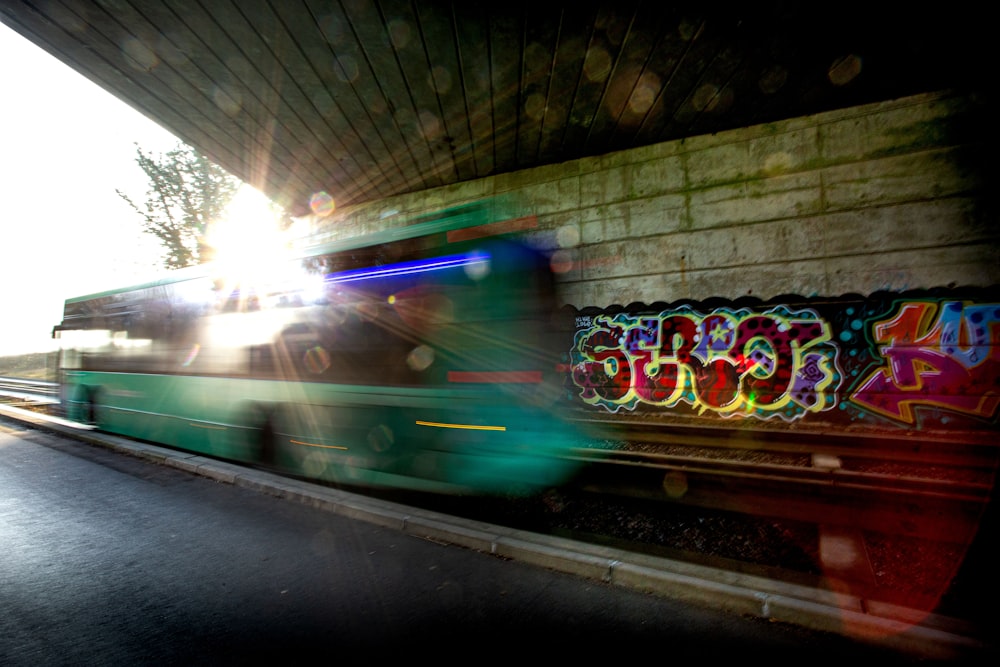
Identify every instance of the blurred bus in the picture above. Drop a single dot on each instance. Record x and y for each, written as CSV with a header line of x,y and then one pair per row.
x,y
420,357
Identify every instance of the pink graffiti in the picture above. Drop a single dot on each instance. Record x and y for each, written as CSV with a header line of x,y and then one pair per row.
x,y
742,362
952,362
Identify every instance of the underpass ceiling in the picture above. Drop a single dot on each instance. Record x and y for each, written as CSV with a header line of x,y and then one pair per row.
x,y
366,99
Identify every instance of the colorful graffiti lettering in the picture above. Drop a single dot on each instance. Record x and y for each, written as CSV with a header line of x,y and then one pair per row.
x,y
952,362
731,362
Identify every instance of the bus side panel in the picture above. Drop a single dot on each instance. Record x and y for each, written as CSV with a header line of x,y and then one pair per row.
x,y
197,414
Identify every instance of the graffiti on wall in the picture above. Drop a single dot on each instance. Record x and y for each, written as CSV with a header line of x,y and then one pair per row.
x,y
941,355
901,361
772,363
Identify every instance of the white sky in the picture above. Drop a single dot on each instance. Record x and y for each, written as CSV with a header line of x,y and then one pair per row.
x,y
65,147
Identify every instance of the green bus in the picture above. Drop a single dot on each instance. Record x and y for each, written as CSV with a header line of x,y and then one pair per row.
x,y
421,357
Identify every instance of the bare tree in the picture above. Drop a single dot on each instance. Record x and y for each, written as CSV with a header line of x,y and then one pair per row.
x,y
187,191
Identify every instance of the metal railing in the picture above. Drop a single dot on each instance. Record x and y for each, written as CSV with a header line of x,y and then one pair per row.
x,y
38,391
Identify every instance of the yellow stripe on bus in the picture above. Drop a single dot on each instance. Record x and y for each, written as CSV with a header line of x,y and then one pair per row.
x,y
470,427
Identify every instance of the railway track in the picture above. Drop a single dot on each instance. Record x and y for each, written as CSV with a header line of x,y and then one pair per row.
x,y
929,487
904,519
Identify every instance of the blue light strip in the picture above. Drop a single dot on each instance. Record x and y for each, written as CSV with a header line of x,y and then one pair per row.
x,y
406,268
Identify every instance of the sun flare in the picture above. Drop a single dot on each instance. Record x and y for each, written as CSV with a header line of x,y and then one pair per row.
x,y
248,236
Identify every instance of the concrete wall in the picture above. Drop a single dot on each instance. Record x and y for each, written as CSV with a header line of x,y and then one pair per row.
x,y
882,197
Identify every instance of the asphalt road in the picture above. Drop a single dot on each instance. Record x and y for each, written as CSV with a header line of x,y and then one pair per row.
x,y
110,559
